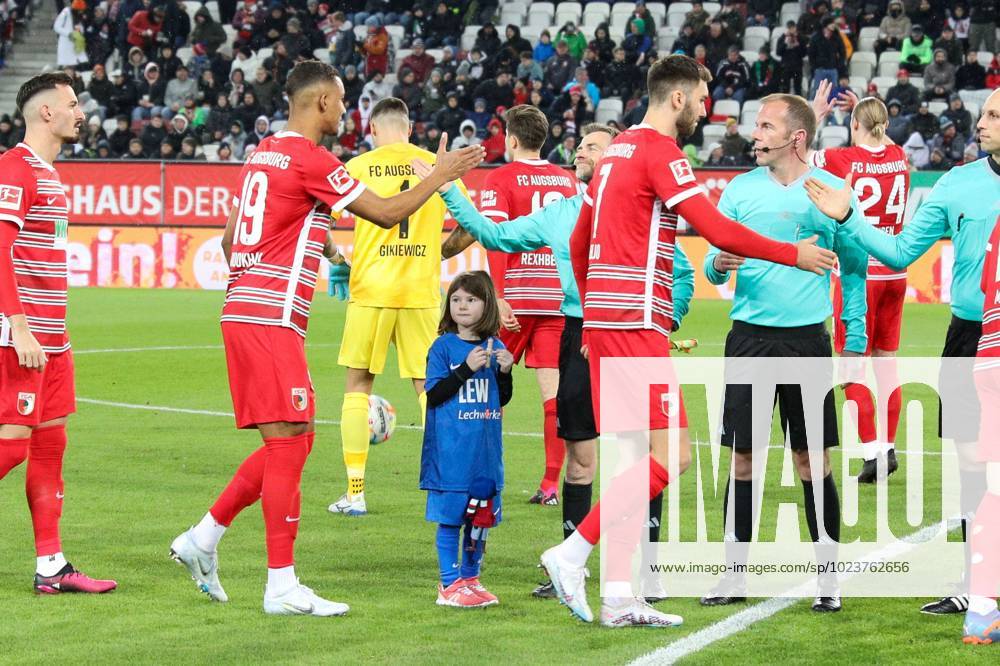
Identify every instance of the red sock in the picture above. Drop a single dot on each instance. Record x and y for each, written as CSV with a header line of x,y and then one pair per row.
x,y
555,449
862,397
44,486
625,492
12,453
895,406
284,459
985,569
242,491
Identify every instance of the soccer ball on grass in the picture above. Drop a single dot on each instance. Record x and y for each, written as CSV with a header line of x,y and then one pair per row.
x,y
381,419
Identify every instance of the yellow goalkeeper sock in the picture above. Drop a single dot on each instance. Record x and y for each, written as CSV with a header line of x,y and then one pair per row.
x,y
354,438
422,399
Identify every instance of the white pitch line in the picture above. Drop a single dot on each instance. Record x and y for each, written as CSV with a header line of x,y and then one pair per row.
x,y
127,350
737,622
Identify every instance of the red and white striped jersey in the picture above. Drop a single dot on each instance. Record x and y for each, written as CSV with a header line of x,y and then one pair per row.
x,y
288,189
988,353
528,281
628,209
881,181
32,197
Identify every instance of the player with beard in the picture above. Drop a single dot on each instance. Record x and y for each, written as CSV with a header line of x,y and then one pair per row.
x,y
552,227
37,392
779,313
622,251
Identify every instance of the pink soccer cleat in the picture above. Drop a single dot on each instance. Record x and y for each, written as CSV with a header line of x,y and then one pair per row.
x,y
480,590
70,580
459,595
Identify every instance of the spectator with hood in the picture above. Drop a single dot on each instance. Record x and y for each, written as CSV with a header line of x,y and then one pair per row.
x,y
362,115
433,95
554,137
122,136
237,139
894,28
153,134
899,125
479,116
261,130
176,24
169,62
268,92
939,77
442,26
150,92
642,13
219,119
637,42
495,142
376,51
515,41
144,29
248,110
124,95
450,118
602,44
487,41
466,136
177,131
100,88
958,114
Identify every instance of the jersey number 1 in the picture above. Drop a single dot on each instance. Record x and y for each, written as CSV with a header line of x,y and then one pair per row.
x,y
404,226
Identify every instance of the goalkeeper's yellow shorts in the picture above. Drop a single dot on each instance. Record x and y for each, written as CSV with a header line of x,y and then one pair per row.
x,y
369,331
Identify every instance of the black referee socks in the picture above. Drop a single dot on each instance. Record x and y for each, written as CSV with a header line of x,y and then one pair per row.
x,y
831,508
575,505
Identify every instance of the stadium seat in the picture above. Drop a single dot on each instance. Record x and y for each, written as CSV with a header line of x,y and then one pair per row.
x,y
864,56
469,36
751,106
726,107
391,78
360,32
86,76
859,82
831,142
675,16
790,11
513,13
622,9
599,10
890,56
918,82
210,151
617,27
322,54
984,58
659,10
755,37
973,110
609,108
401,55
746,130
883,83
437,54
191,7
264,54
712,7
538,20
888,67
213,10
937,108
665,38
396,33
835,133
750,56
712,134
231,33
548,8
185,53
748,120
775,36
861,68
532,32
866,39
278,125
568,11
109,125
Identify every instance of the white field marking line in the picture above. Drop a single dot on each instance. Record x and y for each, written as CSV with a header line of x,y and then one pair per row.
x,y
125,350
205,412
737,622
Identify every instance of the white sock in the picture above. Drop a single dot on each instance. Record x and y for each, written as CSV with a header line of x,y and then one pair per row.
x,y
575,550
49,565
982,605
207,533
617,592
871,450
280,580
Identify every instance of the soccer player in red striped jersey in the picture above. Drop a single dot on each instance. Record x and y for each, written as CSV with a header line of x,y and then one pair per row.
x,y
622,250
982,619
881,180
36,365
274,240
527,283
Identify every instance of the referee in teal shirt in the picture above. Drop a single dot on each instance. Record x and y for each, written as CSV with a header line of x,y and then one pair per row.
x,y
781,313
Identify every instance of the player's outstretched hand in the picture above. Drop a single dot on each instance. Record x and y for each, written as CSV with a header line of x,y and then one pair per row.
x,y
339,281
423,170
29,353
479,356
814,258
821,103
453,164
725,262
847,100
832,202
507,318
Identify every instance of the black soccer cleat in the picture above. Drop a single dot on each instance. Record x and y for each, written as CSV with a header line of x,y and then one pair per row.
x,y
544,591
545,500
827,604
869,473
947,606
730,590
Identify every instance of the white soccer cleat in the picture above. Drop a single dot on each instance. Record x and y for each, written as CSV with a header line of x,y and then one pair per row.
x,y
202,565
636,613
569,582
350,505
300,600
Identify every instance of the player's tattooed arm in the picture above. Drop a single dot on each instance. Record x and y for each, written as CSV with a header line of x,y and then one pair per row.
x,y
455,244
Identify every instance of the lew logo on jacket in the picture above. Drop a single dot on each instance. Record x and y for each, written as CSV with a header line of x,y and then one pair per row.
x,y
10,197
25,403
300,399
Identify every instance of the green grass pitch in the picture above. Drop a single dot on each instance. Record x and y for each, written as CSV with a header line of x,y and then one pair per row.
x,y
137,477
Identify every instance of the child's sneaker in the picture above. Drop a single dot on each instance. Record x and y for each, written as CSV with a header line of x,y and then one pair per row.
x,y
481,591
459,595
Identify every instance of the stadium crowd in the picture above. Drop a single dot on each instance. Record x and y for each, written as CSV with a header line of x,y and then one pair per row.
x,y
169,79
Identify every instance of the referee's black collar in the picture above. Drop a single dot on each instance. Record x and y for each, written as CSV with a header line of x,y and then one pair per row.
x,y
993,165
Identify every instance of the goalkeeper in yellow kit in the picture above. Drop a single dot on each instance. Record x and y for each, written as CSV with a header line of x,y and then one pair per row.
x,y
395,290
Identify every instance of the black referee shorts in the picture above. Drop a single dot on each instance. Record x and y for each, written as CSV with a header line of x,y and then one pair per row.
x,y
750,341
956,380
574,403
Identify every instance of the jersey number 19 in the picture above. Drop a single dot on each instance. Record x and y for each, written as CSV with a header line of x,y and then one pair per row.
x,y
250,219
